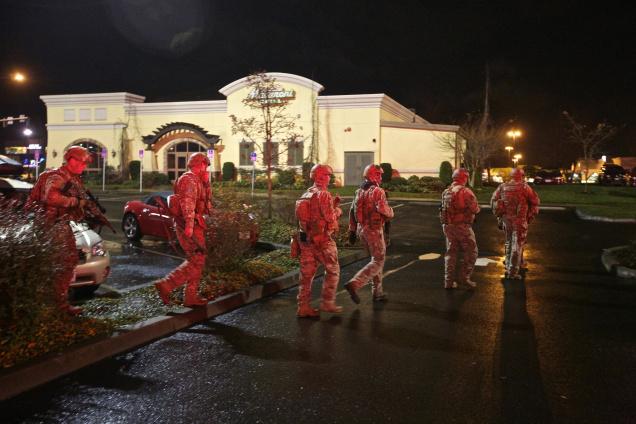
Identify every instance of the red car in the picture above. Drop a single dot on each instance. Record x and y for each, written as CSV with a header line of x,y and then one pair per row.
x,y
150,217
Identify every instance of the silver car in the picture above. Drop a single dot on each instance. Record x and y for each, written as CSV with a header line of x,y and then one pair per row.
x,y
94,260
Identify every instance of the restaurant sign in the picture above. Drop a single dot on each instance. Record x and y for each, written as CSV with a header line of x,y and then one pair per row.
x,y
271,96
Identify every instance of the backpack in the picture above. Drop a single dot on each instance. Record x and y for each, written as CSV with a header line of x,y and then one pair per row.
x,y
365,208
448,206
35,196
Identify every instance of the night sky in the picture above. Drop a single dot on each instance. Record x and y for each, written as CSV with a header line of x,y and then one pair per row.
x,y
544,58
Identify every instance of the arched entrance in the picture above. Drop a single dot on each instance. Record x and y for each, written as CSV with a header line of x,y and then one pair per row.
x,y
177,141
94,147
177,154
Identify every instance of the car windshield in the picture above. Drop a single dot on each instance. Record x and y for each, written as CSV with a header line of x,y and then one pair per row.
x,y
151,200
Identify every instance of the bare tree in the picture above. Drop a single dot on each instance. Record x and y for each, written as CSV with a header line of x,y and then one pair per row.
x,y
478,137
483,139
589,138
270,122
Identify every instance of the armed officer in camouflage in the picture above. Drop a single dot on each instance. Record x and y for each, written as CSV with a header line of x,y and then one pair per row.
x,y
59,194
367,216
317,213
457,213
190,204
515,204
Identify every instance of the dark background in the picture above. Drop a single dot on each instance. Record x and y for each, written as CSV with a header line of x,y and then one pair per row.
x,y
544,57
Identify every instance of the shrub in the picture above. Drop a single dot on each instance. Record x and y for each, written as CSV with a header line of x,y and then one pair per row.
x,y
154,179
446,172
32,256
286,177
229,171
388,172
133,168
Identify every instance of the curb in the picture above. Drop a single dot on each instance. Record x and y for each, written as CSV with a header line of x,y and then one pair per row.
x,y
612,266
586,217
30,375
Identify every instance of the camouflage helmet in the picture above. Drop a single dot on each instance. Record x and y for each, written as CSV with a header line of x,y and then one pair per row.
x,y
373,172
320,168
197,159
460,174
78,153
517,174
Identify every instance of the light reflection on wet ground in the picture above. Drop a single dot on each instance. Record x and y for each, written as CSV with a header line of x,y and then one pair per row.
x,y
133,265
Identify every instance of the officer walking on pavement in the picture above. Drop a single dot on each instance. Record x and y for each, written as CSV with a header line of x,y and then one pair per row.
x,y
367,216
515,204
317,213
190,205
457,213
58,193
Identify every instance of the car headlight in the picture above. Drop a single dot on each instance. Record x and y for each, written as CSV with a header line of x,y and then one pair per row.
x,y
98,249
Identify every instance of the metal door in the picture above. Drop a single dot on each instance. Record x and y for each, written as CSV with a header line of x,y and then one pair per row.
x,y
355,162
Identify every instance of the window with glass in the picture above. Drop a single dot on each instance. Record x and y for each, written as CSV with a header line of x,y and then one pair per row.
x,y
97,163
178,155
245,150
295,154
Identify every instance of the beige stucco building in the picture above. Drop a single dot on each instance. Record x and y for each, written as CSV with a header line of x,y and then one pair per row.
x,y
345,131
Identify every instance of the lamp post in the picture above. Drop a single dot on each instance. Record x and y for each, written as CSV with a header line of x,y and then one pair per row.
x,y
509,149
516,158
514,134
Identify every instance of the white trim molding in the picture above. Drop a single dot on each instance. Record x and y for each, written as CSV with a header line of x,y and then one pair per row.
x,y
169,108
74,127
280,77
91,99
365,101
419,126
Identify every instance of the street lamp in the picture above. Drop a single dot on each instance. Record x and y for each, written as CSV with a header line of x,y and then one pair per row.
x,y
514,134
28,132
516,158
509,149
18,77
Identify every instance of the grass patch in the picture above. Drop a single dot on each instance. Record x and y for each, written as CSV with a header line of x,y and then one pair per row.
x,y
144,303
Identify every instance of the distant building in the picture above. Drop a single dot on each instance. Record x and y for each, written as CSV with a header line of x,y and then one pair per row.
x,y
346,131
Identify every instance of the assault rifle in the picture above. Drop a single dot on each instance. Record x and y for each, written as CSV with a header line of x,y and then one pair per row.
x,y
94,211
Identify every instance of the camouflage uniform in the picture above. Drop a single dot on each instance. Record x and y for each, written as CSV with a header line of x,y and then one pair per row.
x,y
515,203
369,212
192,201
57,195
318,214
457,214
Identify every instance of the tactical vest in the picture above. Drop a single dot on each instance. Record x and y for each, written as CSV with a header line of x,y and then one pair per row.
x,y
514,200
309,217
365,210
452,206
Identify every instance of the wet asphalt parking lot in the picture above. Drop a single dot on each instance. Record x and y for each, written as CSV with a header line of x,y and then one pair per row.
x,y
559,347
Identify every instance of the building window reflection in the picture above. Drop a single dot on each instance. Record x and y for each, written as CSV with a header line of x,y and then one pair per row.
x,y
178,155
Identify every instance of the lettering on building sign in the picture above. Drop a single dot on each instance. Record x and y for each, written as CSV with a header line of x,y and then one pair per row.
x,y
272,97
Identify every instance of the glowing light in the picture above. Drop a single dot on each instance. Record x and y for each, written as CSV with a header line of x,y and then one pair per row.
x,y
19,77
